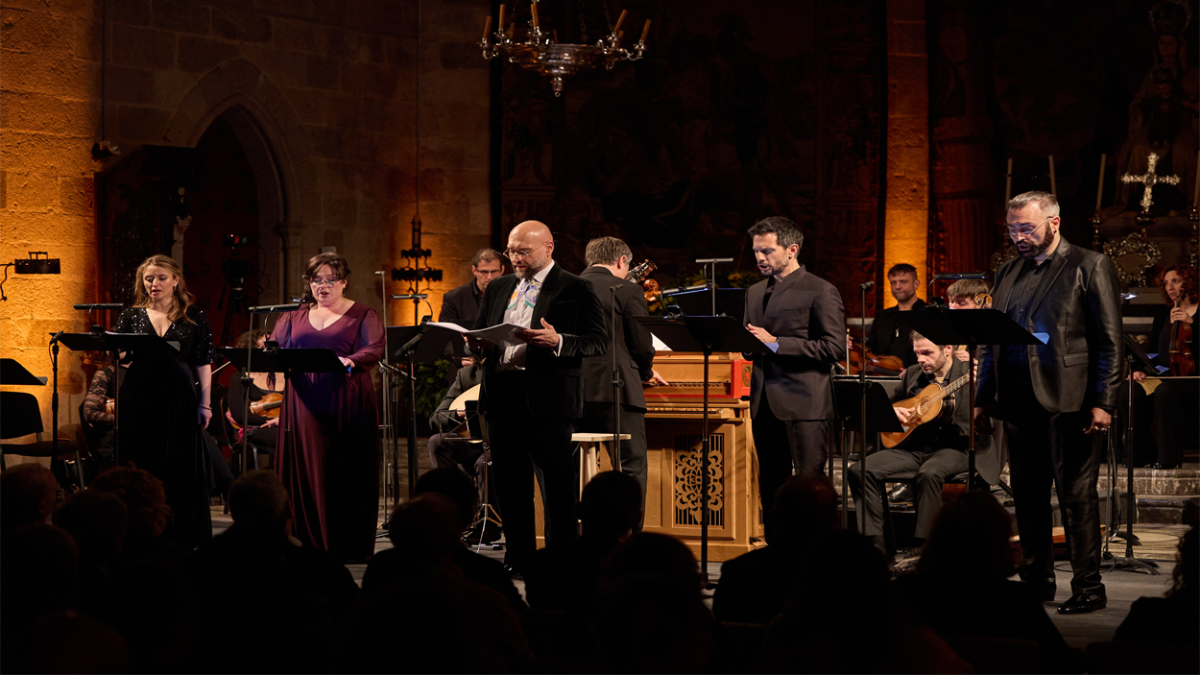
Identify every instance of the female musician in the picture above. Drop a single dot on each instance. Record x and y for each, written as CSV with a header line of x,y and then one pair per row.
x,y
263,430
164,400
329,439
1175,401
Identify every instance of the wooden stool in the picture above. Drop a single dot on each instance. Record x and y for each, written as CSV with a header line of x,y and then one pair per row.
x,y
589,458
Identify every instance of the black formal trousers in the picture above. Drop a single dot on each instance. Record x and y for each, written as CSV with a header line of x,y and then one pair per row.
x,y
784,446
598,418
523,443
933,467
1047,447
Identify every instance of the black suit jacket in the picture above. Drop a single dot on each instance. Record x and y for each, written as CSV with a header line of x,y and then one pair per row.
x,y
460,305
806,315
1078,305
635,348
889,334
554,384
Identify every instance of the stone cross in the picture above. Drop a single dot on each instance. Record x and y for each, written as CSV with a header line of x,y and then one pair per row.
x,y
1149,179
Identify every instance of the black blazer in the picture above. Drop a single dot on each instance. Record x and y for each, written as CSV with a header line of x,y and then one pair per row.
x,y
460,305
635,348
806,315
1077,303
890,333
554,384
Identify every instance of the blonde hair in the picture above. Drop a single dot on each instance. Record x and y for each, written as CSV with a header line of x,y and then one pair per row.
x,y
181,299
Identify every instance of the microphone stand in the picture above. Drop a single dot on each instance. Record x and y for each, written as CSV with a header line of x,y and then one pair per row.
x,y
617,382
390,441
412,388
862,412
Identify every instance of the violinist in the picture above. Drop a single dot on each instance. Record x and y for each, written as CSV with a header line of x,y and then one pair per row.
x,y
262,428
608,261
1173,340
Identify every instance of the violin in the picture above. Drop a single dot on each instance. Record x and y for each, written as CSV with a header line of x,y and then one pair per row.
x,y
880,366
1183,362
638,274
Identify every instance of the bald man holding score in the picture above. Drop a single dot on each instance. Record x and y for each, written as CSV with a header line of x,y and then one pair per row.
x,y
532,391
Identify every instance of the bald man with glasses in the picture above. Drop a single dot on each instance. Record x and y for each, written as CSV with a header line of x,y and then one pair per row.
x,y
533,390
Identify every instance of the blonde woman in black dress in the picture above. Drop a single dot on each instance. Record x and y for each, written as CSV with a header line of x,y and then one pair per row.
x,y
165,401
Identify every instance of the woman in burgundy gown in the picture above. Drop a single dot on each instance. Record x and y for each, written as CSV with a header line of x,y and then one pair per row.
x,y
329,440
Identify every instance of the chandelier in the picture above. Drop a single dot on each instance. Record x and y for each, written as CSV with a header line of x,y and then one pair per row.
x,y
542,53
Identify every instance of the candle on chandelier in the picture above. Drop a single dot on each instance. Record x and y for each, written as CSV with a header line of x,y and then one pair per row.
x,y
487,26
533,9
1100,187
1196,190
645,31
500,23
1008,182
620,20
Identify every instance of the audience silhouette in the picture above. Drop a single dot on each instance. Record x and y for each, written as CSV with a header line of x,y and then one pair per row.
x,y
755,585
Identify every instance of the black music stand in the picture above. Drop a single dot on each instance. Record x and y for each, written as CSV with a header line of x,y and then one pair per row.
x,y
1135,355
705,334
880,417
972,328
286,361
417,344
137,345
12,372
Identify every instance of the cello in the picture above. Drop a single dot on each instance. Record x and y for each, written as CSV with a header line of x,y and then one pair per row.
x,y
1182,361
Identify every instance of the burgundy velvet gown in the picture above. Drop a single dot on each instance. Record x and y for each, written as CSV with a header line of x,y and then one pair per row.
x,y
329,434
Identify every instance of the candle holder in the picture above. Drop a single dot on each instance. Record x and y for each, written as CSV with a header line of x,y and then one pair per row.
x,y
1096,221
1194,244
542,54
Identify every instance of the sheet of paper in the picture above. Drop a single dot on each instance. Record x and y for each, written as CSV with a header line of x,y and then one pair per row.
x,y
501,334
659,345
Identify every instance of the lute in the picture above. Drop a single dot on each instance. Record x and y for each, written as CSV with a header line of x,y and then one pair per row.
x,y
928,406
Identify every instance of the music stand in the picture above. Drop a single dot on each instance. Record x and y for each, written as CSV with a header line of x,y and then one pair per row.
x,y
139,345
286,361
420,344
699,302
705,334
12,372
1134,355
978,326
848,397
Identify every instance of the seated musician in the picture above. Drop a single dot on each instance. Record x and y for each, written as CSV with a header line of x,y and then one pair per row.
x,y
449,449
936,449
889,331
1174,401
263,430
98,412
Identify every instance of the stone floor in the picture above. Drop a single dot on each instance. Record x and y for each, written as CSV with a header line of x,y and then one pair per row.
x,y
1157,545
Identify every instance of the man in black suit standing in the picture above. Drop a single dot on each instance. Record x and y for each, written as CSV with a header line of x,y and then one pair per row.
x,y
461,305
800,317
1056,398
608,259
533,389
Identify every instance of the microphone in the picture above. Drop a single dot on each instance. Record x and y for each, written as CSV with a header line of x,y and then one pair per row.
x,y
959,275
411,296
378,273
268,309
410,345
864,286
99,305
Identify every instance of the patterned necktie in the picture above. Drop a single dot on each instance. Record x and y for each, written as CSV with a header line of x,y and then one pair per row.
x,y
526,293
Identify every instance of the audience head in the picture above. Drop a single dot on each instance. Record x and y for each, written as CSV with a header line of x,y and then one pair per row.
x,y
425,529
805,509
611,505
1187,565
258,501
144,497
28,493
971,539
67,642
648,554
96,520
41,574
455,486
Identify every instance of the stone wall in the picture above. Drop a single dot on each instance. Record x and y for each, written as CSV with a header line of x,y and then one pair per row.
x,y
330,87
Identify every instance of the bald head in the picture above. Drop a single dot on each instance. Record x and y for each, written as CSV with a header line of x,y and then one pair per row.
x,y
530,247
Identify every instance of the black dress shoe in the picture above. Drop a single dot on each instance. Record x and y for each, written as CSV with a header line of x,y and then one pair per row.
x,y
901,493
1082,603
1048,593
1160,465
514,571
